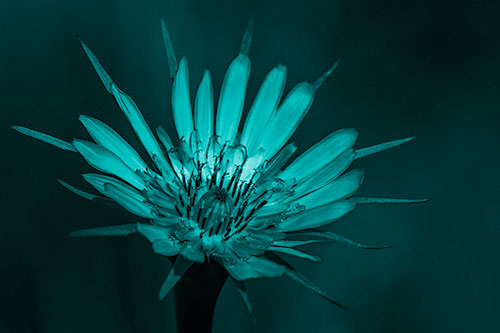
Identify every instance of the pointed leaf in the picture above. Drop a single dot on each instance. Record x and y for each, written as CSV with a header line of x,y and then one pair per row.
x,y
181,265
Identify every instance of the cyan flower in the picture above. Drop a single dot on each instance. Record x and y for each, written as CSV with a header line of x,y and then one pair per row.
x,y
220,194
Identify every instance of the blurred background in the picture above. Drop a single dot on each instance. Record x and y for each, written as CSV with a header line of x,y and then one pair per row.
x,y
423,68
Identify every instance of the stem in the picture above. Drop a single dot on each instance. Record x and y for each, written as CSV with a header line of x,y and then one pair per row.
x,y
196,295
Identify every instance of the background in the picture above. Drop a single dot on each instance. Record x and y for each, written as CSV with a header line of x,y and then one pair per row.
x,y
423,68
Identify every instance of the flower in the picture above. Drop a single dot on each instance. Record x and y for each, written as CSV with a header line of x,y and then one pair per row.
x,y
218,194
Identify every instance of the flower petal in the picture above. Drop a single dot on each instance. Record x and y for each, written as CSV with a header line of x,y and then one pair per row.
x,y
141,128
339,189
116,230
326,175
287,118
317,217
153,233
321,154
181,265
232,98
381,147
263,108
388,201
254,268
181,101
300,278
169,49
105,161
106,137
61,144
130,199
204,110
295,253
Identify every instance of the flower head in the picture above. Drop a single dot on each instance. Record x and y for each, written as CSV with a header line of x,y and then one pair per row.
x,y
219,194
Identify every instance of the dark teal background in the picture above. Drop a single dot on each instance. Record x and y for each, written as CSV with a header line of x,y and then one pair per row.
x,y
423,68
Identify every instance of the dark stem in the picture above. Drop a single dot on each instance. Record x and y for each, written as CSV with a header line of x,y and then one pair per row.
x,y
196,295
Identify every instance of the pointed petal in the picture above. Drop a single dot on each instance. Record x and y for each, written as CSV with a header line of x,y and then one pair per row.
x,y
118,230
247,37
381,147
61,144
300,278
232,98
293,243
388,201
141,128
153,233
106,80
131,111
242,290
181,102
130,199
181,265
78,192
337,238
319,82
321,154
263,108
166,248
326,175
316,217
105,161
204,110
171,59
106,137
287,118
339,189
295,253
254,268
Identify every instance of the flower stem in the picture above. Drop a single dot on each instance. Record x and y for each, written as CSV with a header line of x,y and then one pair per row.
x,y
196,295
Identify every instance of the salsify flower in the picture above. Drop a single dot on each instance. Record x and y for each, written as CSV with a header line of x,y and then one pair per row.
x,y
221,195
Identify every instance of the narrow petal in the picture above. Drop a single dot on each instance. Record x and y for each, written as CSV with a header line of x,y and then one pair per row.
x,y
153,233
388,201
339,189
130,199
131,111
287,118
326,175
319,82
232,98
263,108
300,278
171,59
242,290
61,144
317,217
294,243
381,147
141,128
340,239
321,154
78,192
106,80
204,110
254,268
181,101
118,230
166,248
125,195
295,253
106,137
105,161
181,265
247,37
